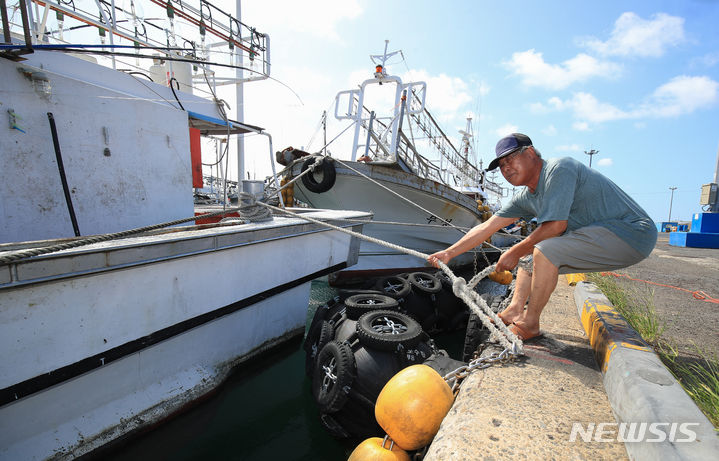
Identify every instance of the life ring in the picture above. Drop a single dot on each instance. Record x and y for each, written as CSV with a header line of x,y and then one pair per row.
x,y
334,373
387,330
359,304
329,175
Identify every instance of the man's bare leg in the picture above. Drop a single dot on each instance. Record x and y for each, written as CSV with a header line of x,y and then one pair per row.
x,y
544,281
522,288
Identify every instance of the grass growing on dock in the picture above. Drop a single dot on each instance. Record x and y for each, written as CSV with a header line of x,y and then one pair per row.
x,y
699,376
636,307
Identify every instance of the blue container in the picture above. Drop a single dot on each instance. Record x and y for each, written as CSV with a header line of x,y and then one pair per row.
x,y
694,239
705,222
666,226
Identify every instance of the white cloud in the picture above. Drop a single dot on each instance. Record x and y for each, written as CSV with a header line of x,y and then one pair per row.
x,y
708,60
321,19
605,162
580,126
484,88
446,95
587,107
681,95
550,130
534,71
568,148
506,129
634,36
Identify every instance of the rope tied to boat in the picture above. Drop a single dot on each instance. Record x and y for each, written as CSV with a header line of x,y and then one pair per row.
x,y
464,290
310,169
24,254
251,211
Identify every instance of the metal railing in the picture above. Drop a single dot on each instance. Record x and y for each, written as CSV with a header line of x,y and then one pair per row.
x,y
189,31
464,172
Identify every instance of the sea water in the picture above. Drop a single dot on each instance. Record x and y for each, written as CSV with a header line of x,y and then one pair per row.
x,y
264,411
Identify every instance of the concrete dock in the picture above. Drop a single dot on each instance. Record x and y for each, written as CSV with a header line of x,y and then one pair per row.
x,y
526,409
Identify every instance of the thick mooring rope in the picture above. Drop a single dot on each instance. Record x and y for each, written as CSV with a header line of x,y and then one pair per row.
x,y
248,209
460,287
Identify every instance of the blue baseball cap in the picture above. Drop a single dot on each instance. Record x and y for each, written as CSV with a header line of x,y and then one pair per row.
x,y
508,145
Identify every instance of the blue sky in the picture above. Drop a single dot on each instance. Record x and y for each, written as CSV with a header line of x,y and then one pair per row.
x,y
637,81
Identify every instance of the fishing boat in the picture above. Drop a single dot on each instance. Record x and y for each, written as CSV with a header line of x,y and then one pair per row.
x,y
118,305
417,203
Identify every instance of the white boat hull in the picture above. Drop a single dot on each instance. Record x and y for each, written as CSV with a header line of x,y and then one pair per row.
x,y
100,340
353,191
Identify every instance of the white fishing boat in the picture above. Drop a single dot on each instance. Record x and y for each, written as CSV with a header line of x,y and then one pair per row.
x,y
104,331
417,203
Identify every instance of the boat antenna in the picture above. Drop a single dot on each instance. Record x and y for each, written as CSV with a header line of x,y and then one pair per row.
x,y
381,59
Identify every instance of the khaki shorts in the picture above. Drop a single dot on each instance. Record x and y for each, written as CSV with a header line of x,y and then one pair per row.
x,y
589,249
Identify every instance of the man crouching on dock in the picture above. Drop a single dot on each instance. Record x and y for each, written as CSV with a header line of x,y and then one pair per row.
x,y
586,224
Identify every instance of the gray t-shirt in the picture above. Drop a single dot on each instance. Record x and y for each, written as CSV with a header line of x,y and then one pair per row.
x,y
569,190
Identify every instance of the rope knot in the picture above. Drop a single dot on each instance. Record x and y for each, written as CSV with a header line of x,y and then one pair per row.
x,y
459,286
249,209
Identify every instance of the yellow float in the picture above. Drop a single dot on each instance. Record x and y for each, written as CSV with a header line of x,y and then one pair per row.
x,y
374,449
412,405
504,277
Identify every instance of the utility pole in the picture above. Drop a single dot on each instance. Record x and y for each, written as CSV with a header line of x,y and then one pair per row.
x,y
590,154
670,203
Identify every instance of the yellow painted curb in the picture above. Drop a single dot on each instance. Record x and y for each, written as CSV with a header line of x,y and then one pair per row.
x,y
573,279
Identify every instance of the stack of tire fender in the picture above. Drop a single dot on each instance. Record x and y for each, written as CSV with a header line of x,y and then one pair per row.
x,y
355,345
428,298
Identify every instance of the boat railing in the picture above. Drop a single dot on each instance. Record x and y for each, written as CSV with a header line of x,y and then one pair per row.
x,y
406,151
187,34
462,167
462,171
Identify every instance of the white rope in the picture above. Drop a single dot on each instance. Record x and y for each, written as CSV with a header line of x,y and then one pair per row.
x,y
396,223
498,330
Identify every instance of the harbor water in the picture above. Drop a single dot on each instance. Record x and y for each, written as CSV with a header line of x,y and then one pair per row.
x,y
264,411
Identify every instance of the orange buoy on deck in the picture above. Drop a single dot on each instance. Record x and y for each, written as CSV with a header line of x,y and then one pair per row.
x,y
373,449
411,406
504,277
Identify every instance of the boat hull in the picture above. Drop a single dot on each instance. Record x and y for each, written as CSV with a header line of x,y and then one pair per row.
x,y
353,191
102,340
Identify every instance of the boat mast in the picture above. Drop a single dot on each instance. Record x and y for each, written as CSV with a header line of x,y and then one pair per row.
x,y
239,102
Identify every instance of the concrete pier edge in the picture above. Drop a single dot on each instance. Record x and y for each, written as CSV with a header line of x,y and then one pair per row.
x,y
639,387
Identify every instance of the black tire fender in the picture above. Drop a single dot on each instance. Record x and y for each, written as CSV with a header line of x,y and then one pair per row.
x,y
394,286
365,302
329,175
386,330
334,374
325,334
476,334
425,282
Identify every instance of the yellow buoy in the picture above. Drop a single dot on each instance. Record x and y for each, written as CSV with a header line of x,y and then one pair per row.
x,y
411,406
504,277
372,450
